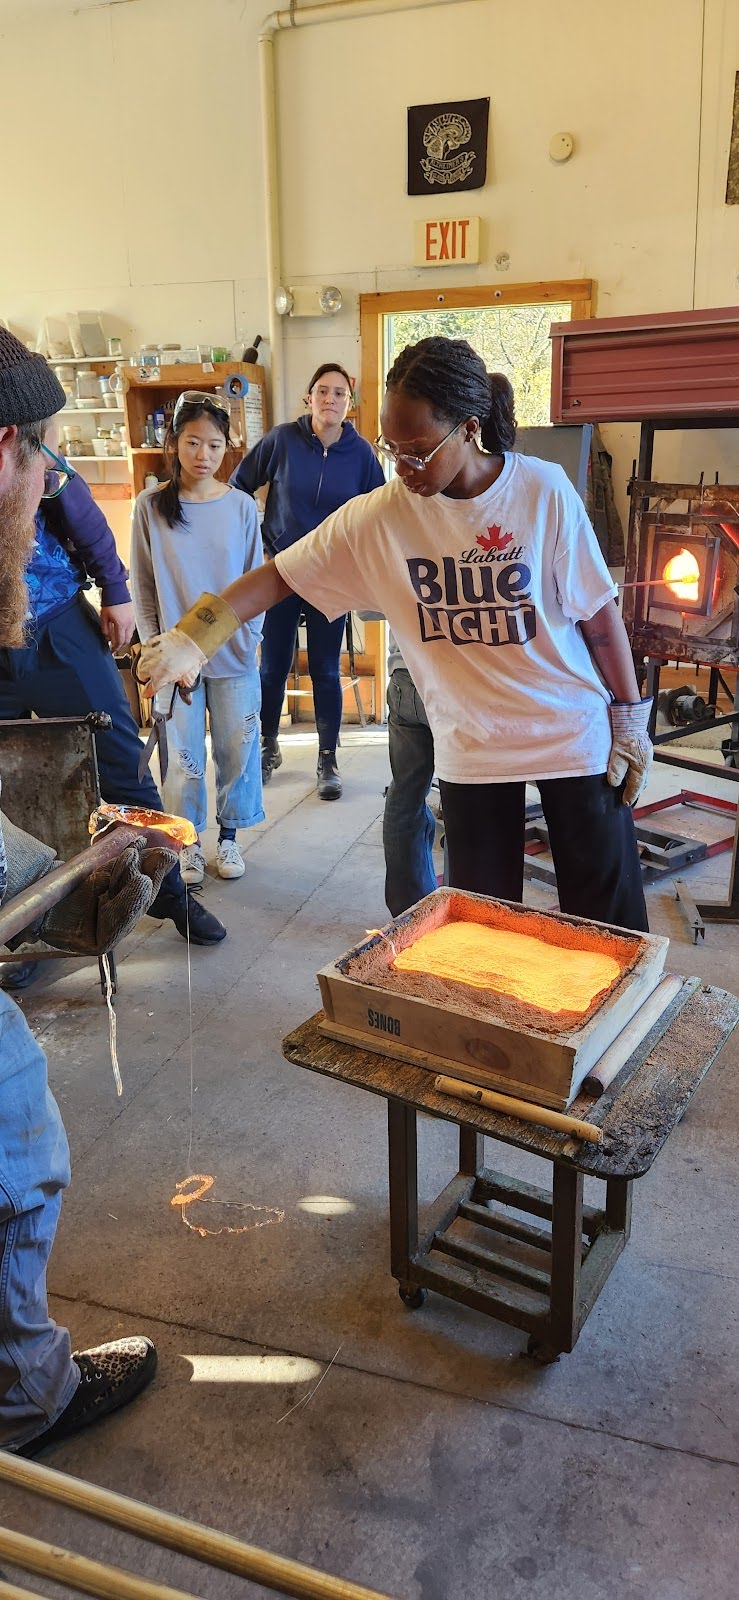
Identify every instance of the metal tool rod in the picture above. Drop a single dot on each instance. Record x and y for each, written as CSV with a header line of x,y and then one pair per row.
x,y
176,1533
24,909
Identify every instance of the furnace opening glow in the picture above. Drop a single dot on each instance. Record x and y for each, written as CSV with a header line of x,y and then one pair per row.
x,y
540,974
682,575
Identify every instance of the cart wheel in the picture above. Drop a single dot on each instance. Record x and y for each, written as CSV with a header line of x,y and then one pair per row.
x,y
412,1298
544,1354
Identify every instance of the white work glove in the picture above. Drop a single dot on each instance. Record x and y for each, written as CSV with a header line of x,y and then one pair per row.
x,y
631,748
171,657
178,655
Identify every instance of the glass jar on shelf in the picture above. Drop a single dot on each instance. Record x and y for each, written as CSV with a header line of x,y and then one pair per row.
x,y
87,385
72,443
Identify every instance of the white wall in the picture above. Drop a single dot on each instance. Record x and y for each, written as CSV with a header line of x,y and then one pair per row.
x,y
135,183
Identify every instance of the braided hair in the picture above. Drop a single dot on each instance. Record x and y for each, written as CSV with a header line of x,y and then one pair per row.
x,y
452,378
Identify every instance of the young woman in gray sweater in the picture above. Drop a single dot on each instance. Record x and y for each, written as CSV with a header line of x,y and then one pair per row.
x,y
190,535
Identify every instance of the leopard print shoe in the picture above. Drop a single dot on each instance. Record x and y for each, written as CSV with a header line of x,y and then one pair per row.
x,y
110,1376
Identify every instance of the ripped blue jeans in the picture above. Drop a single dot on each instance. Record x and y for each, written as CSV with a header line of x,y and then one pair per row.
x,y
233,706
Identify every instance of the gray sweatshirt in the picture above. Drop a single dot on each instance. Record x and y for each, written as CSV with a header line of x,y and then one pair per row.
x,y
172,567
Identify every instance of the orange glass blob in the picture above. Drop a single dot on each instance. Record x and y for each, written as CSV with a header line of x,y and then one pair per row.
x,y
178,829
516,964
682,575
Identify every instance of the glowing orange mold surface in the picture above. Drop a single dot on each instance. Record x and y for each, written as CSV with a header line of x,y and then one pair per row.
x,y
517,964
178,829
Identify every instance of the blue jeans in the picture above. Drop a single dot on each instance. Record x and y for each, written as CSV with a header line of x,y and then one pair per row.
x,y
324,651
408,826
233,707
37,1374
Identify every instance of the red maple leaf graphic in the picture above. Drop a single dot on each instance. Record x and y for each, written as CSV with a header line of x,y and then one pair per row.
x,y
493,539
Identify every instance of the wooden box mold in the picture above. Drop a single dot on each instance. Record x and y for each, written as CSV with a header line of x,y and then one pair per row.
x,y
488,1038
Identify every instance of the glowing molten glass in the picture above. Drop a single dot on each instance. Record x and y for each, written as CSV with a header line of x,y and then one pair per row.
x,y
178,829
681,575
516,964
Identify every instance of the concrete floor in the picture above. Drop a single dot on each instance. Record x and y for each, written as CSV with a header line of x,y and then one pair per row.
x,y
434,1463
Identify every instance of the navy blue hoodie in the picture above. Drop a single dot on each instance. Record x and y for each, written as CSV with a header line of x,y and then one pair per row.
x,y
307,482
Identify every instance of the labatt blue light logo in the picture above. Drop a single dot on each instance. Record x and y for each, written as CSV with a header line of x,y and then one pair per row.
x,y
480,598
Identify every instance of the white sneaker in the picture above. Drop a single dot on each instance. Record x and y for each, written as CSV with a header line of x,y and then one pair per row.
x,y
192,864
229,860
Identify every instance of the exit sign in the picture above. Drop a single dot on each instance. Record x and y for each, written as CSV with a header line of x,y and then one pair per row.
x,y
443,240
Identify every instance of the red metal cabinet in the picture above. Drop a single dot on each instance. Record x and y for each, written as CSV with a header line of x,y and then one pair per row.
x,y
633,369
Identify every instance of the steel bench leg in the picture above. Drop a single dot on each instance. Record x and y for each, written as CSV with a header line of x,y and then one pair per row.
x,y
471,1151
403,1183
563,1324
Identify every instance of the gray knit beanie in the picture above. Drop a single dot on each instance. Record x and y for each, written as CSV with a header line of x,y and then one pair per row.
x,y
29,391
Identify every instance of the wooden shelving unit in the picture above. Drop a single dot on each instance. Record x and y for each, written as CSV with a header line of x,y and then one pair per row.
x,y
145,395
102,489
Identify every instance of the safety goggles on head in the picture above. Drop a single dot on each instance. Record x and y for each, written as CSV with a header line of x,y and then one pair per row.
x,y
198,397
57,476
388,452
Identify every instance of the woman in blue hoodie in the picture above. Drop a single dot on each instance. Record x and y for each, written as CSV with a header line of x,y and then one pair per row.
x,y
313,466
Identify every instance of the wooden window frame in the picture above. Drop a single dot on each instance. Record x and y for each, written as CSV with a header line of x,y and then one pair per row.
x,y
579,292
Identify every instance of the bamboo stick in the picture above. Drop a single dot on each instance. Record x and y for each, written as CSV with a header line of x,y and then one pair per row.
x,y
79,1572
13,1591
520,1108
615,1057
288,1577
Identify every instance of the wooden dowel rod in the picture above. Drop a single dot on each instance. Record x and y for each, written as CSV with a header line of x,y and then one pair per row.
x,y
520,1108
615,1057
13,1591
78,1572
176,1533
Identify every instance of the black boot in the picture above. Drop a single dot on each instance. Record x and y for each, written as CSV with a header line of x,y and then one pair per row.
x,y
328,782
173,902
271,758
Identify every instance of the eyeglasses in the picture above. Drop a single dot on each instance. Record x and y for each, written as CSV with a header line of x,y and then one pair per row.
x,y
57,477
418,463
198,397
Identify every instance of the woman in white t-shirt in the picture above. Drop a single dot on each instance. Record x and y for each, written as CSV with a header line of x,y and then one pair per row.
x,y
492,580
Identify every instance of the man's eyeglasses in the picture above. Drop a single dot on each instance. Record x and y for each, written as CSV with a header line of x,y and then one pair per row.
x,y
57,476
388,452
198,397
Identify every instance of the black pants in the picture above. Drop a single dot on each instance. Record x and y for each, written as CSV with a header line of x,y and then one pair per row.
x,y
324,655
591,835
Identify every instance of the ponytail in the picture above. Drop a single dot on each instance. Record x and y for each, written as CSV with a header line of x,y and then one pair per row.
x,y
498,428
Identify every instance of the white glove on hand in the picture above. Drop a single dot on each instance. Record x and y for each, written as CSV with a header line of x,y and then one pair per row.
x,y
631,748
171,657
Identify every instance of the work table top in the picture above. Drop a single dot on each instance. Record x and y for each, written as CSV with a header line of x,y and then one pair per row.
x,y
637,1114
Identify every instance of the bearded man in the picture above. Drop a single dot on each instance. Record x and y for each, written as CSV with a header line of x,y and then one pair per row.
x,y
46,1392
